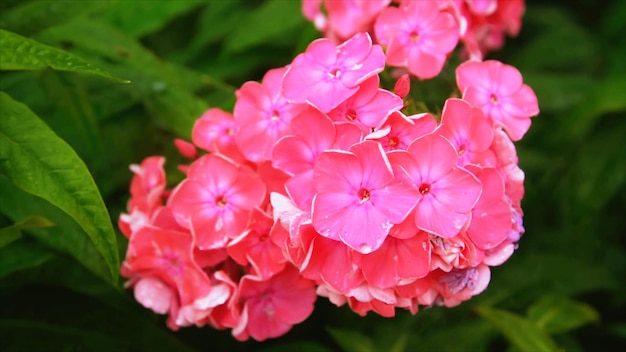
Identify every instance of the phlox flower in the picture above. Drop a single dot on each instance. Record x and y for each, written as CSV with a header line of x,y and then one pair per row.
x,y
491,217
403,130
272,306
447,193
456,252
325,75
469,131
459,285
358,197
160,264
418,36
214,132
262,115
498,90
368,107
216,200
255,247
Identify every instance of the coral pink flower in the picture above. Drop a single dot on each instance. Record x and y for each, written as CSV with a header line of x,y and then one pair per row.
x,y
447,193
403,259
368,107
216,200
498,90
403,130
325,75
161,262
214,131
418,36
460,284
469,131
358,198
255,247
262,115
272,306
491,217
402,86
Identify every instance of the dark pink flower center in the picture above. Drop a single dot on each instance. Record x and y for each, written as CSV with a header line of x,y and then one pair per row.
x,y
393,141
275,115
364,195
334,73
494,99
424,188
220,201
351,115
414,36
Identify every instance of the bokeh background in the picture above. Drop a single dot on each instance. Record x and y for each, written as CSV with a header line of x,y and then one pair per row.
x,y
565,283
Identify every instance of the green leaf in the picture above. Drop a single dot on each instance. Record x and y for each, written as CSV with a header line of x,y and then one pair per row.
x,y
14,232
22,255
557,314
35,160
351,341
138,18
519,331
273,19
19,53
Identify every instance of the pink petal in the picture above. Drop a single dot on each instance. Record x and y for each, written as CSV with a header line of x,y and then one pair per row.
x,y
435,217
458,190
434,156
337,171
375,167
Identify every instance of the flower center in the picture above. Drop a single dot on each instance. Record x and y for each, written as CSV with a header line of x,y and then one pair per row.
x,y
462,149
424,188
494,99
364,195
414,36
393,141
351,115
220,201
275,115
334,73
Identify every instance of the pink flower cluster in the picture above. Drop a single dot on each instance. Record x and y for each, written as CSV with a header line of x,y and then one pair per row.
x,y
419,35
319,184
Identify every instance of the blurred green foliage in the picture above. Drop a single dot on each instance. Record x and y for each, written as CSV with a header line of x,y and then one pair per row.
x,y
563,289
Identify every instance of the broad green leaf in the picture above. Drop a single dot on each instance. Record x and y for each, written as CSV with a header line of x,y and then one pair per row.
x,y
14,232
519,331
272,20
67,237
351,341
556,314
32,16
138,18
19,53
22,255
35,160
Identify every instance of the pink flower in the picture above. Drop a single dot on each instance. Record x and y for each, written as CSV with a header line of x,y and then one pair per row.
x,y
272,306
447,193
262,115
469,131
461,284
358,198
403,130
325,75
216,200
418,36
368,107
214,132
348,17
497,89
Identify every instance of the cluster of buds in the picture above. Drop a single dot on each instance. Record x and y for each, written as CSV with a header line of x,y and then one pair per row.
x,y
320,184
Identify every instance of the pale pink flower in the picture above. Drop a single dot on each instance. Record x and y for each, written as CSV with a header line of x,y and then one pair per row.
x,y
325,75
216,200
456,252
358,198
469,131
418,35
368,107
262,115
498,90
272,306
447,193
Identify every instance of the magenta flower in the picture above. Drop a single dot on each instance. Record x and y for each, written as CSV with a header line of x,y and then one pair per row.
x,y
498,90
418,35
403,130
262,115
358,198
325,75
447,193
216,200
